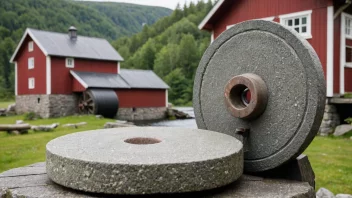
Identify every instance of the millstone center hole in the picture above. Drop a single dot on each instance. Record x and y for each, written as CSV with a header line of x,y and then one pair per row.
x,y
142,140
240,96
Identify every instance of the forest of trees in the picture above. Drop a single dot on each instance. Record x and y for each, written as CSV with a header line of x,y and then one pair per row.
x,y
106,20
172,47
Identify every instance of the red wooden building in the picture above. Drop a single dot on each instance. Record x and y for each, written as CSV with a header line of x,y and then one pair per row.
x,y
59,74
326,24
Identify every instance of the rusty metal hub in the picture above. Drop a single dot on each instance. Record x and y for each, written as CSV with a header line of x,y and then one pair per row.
x,y
246,96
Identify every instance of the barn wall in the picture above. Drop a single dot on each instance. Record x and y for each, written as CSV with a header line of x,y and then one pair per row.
x,y
62,80
348,79
348,70
141,97
38,72
244,10
76,86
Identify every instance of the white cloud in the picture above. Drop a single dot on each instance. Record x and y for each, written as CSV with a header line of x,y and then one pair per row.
x,y
163,3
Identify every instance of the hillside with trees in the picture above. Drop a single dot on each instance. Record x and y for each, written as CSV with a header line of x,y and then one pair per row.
x,y
172,47
104,19
132,17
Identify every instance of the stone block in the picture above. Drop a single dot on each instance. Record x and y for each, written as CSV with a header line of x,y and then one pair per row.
x,y
299,169
342,129
330,108
324,193
152,113
325,124
32,181
325,131
328,116
47,105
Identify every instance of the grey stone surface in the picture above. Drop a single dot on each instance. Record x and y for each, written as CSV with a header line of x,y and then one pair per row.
x,y
299,169
109,125
342,129
75,125
324,193
2,112
293,74
325,131
246,187
11,109
19,122
184,160
329,108
343,196
45,128
47,105
153,113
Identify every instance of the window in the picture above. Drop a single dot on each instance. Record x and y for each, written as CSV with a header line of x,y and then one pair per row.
x,y
30,46
348,27
30,63
31,83
70,62
349,56
299,21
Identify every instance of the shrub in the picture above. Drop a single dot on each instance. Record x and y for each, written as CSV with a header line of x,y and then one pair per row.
x,y
31,116
348,120
348,95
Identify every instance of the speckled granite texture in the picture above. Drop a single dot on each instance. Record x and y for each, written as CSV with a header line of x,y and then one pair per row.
x,y
32,181
184,160
293,75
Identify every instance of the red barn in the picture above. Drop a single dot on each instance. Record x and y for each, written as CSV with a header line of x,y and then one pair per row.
x,y
61,74
326,24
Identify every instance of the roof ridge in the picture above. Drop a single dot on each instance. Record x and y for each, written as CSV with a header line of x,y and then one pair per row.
x,y
61,33
138,69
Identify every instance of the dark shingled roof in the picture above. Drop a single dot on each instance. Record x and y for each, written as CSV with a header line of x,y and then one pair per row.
x,y
144,79
60,44
100,80
127,79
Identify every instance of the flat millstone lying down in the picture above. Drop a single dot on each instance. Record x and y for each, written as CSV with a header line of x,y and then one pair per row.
x,y
142,160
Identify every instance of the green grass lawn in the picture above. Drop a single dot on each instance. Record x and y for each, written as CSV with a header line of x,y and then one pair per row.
x,y
20,150
330,157
5,104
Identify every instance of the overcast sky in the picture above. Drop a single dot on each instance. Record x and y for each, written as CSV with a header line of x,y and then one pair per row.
x,y
163,3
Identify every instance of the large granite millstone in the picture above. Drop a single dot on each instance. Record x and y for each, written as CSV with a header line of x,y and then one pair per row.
x,y
140,160
294,91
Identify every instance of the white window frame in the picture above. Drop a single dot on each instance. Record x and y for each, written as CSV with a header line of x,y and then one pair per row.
x,y
31,83
293,16
70,65
31,63
30,46
265,19
348,26
348,64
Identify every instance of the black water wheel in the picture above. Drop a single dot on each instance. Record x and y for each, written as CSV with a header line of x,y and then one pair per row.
x,y
98,101
86,103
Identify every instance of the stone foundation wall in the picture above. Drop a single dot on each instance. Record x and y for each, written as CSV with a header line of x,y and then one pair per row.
x,y
330,121
63,105
47,105
136,114
38,104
